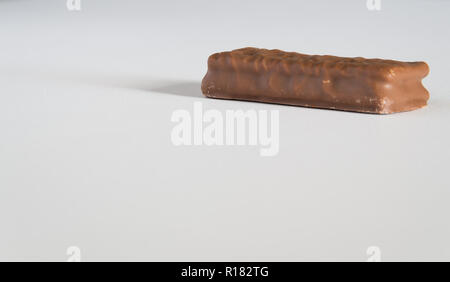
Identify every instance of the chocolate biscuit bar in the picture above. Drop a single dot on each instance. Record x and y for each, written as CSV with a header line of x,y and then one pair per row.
x,y
349,84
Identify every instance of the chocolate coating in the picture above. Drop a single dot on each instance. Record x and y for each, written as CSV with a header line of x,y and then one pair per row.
x,y
350,84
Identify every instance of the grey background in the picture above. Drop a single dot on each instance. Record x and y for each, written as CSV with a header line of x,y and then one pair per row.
x,y
86,158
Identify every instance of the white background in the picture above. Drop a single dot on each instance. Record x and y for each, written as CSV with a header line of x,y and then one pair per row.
x,y
86,157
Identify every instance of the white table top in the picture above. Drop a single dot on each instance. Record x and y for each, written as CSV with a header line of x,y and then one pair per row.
x,y
86,159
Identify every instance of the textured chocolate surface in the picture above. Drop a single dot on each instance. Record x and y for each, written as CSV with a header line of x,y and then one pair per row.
x,y
351,84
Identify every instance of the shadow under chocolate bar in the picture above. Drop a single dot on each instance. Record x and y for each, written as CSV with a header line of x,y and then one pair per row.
x,y
350,84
